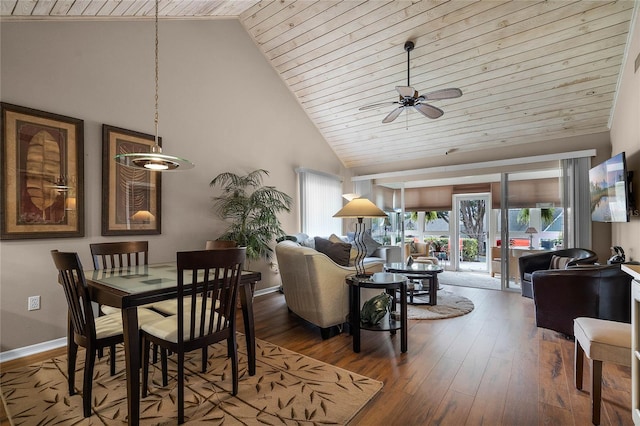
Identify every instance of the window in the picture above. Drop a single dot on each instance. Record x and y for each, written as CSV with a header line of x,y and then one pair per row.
x,y
320,199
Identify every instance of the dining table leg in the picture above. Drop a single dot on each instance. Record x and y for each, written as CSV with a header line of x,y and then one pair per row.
x,y
132,361
246,302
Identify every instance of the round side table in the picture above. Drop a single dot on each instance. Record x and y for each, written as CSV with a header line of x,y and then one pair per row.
x,y
392,284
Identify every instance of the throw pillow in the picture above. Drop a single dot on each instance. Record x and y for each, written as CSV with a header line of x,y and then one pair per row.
x,y
338,252
286,238
301,237
369,243
354,251
560,262
335,239
414,249
309,242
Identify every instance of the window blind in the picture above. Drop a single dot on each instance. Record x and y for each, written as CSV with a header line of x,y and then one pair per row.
x,y
321,198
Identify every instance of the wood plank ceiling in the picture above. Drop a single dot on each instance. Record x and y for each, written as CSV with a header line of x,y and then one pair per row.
x,y
530,71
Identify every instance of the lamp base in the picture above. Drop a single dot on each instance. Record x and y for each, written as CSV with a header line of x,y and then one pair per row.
x,y
363,276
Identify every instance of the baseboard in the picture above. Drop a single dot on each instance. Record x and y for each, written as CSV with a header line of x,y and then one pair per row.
x,y
33,349
58,343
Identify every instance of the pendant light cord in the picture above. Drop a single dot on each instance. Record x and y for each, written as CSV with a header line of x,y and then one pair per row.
x,y
156,99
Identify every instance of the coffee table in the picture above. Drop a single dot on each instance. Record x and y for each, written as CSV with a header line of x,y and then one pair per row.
x,y
423,276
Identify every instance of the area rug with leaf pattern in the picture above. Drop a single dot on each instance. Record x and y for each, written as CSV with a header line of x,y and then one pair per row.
x,y
288,388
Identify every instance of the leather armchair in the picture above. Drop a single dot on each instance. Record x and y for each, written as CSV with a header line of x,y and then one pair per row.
x,y
595,291
542,261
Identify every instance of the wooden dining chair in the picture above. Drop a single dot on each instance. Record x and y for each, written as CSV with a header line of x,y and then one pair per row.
x,y
220,244
120,254
85,330
123,254
170,307
209,280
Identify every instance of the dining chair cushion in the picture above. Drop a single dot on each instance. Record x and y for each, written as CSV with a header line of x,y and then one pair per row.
x,y
167,328
170,307
108,310
108,325
111,324
111,310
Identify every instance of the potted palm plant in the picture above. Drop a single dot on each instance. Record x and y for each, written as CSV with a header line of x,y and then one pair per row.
x,y
251,210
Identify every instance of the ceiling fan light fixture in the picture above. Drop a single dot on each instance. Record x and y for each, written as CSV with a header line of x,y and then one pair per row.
x,y
154,160
409,97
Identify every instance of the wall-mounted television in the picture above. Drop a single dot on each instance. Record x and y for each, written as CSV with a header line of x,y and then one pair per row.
x,y
609,189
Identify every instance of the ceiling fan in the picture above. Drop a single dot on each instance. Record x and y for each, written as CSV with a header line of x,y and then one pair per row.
x,y
409,97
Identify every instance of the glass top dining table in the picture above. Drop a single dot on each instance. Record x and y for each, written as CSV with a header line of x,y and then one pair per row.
x,y
130,287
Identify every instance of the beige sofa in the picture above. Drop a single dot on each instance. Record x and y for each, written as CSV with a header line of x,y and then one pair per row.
x,y
314,286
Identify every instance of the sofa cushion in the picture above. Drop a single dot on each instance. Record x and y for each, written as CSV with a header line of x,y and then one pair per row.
x,y
338,252
560,262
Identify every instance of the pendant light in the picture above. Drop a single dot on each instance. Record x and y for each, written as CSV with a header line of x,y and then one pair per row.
x,y
154,160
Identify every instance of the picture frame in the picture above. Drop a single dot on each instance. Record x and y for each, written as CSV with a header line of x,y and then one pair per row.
x,y
42,177
131,198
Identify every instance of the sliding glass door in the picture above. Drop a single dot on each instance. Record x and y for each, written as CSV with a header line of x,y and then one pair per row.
x,y
530,219
470,229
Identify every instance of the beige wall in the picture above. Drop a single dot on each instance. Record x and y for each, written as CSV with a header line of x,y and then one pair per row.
x,y
221,106
625,136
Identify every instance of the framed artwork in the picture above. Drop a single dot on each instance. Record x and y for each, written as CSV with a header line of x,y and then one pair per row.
x,y
42,174
130,197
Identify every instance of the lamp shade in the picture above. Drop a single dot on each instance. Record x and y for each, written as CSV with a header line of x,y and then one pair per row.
x,y
531,230
360,207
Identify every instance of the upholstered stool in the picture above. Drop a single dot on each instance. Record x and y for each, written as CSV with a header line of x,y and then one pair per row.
x,y
600,340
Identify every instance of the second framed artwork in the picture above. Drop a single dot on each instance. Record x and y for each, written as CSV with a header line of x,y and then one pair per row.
x,y
130,197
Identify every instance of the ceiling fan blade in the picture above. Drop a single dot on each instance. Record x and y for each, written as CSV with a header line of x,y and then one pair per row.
x,y
442,94
429,110
376,105
393,115
406,91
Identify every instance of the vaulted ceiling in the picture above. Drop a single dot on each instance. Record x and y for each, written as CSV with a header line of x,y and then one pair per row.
x,y
530,71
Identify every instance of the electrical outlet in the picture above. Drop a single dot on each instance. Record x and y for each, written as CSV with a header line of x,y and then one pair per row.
x,y
34,303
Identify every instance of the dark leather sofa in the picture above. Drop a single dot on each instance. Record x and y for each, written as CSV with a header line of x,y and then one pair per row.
x,y
542,261
595,291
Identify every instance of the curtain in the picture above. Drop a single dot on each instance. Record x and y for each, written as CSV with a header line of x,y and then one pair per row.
x,y
575,189
320,199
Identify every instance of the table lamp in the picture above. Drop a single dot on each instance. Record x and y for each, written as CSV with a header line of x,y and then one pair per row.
x,y
360,208
531,230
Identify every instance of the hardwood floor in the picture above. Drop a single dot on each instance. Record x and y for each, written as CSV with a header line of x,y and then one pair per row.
x,y
490,367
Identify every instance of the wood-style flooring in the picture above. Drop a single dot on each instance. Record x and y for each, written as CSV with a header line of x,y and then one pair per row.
x,y
490,367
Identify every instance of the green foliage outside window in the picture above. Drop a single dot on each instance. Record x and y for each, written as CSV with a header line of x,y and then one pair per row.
x,y
469,247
